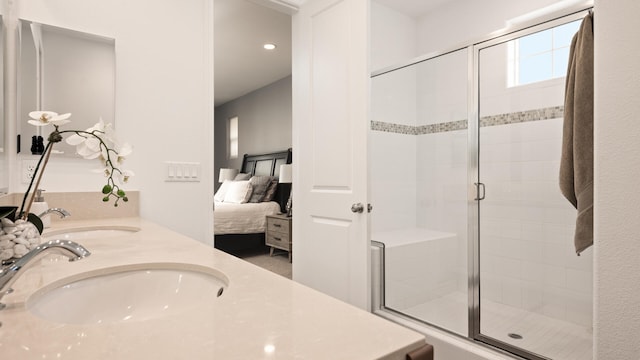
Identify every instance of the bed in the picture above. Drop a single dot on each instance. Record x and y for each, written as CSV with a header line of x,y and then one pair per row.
x,y
242,226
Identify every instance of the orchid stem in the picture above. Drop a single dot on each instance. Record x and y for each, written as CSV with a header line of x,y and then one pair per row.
x,y
37,171
40,173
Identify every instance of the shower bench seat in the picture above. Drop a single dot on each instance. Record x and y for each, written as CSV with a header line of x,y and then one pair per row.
x,y
420,265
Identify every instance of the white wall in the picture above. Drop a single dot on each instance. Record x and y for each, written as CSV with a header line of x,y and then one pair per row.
x,y
164,92
393,36
264,123
617,170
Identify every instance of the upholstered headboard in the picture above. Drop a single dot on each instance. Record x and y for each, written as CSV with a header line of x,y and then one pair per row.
x,y
269,164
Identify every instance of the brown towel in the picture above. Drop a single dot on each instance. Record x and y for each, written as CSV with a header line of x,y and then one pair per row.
x,y
425,352
576,164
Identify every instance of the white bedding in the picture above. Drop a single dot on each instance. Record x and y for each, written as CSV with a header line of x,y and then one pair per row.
x,y
245,218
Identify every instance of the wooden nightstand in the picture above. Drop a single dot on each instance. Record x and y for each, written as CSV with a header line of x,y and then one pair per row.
x,y
278,234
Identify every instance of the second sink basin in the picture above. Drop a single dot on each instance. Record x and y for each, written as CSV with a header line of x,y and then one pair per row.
x,y
89,232
127,293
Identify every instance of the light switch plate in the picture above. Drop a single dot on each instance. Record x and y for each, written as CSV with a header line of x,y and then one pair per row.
x,y
182,171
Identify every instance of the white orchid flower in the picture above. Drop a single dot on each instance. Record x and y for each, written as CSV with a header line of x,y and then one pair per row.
x,y
89,146
77,139
43,118
124,176
123,151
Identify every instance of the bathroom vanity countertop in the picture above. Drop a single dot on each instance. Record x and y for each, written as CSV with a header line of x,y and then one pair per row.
x,y
261,315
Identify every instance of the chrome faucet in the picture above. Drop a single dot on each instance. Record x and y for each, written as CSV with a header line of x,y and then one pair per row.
x,y
10,274
62,212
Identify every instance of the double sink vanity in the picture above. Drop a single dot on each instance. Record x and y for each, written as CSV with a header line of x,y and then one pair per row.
x,y
146,292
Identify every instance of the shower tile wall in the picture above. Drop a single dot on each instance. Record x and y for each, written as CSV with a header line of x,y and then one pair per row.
x,y
393,152
442,194
442,153
392,181
528,259
527,249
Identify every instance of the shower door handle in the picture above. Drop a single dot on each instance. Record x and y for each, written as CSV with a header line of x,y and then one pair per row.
x,y
478,192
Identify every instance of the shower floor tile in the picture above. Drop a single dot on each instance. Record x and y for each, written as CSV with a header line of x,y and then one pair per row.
x,y
552,338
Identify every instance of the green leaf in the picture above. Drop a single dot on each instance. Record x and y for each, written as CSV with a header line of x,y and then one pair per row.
x,y
8,212
35,220
106,189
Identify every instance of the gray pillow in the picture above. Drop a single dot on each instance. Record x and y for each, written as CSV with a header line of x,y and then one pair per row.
x,y
260,185
271,191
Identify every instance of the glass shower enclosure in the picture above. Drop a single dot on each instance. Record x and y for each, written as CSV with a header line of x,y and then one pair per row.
x,y
476,237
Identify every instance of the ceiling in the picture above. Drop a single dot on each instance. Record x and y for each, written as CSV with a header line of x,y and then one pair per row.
x,y
241,65
413,8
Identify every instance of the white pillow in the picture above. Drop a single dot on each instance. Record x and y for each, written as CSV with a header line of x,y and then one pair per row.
x,y
222,190
238,192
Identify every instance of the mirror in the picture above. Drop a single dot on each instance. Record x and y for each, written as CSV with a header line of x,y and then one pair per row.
x,y
64,71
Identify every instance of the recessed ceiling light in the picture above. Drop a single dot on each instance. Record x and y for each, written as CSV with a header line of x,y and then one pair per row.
x,y
269,46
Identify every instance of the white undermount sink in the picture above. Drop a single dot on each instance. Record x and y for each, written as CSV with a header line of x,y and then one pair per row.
x,y
127,293
90,232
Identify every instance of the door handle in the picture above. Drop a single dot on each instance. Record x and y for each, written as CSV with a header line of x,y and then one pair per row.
x,y
478,187
369,208
357,208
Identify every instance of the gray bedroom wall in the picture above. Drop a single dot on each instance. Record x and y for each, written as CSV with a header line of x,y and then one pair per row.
x,y
264,124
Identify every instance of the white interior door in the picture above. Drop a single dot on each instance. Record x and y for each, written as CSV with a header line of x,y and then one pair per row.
x,y
330,118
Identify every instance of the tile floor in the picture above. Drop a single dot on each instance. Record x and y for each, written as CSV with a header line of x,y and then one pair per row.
x,y
278,263
546,336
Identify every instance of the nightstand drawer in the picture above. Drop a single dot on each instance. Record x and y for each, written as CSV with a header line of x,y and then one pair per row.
x,y
280,240
280,225
278,234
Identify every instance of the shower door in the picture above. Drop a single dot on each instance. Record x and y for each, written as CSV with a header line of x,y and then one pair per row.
x,y
535,295
418,164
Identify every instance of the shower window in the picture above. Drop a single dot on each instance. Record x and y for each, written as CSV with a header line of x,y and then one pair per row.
x,y
540,56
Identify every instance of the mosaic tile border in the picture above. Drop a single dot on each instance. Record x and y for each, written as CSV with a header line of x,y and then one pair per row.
x,y
493,120
523,116
393,128
442,127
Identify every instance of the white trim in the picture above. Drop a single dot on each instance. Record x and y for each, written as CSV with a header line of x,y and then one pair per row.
x,y
289,7
208,125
